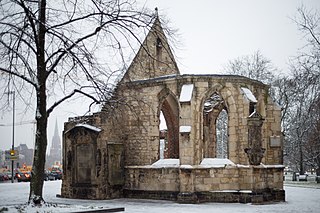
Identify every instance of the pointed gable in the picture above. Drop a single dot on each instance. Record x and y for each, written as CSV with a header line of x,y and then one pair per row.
x,y
154,58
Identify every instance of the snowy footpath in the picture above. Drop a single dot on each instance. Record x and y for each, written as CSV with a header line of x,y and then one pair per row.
x,y
14,195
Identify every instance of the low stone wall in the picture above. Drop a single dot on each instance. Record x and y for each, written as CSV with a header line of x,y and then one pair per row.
x,y
84,192
256,184
238,178
263,196
152,179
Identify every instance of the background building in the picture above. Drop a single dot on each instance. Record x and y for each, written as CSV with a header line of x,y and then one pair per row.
x,y
54,156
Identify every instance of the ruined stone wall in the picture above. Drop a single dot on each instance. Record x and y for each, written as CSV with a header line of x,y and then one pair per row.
x,y
243,179
274,137
122,141
143,117
142,140
133,124
101,156
152,179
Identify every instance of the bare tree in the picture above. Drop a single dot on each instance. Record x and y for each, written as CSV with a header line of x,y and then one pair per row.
x,y
254,66
52,50
300,94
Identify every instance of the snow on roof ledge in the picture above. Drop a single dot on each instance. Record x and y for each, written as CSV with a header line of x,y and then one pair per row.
x,y
216,162
272,166
162,163
186,93
249,95
93,128
185,129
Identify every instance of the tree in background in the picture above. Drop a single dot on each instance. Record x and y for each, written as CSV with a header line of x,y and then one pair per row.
x,y
303,93
297,93
254,66
50,51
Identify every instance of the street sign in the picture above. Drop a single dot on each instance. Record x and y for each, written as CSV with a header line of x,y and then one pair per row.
x,y
11,154
13,157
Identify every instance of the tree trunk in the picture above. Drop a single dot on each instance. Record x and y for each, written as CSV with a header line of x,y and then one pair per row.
x,y
36,185
301,160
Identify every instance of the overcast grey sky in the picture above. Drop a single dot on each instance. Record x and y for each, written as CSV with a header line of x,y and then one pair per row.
x,y
212,32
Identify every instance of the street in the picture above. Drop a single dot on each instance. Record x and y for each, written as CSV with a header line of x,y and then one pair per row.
x,y
299,198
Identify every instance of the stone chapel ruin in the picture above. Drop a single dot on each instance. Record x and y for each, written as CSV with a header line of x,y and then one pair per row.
x,y
115,153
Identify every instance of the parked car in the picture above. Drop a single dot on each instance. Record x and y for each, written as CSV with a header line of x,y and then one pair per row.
x,y
23,176
57,174
9,174
48,176
3,177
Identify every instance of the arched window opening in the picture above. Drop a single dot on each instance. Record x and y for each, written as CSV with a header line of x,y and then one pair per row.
x,y
215,128
163,136
169,129
222,134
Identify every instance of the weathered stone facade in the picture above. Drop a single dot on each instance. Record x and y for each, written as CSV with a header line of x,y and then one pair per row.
x,y
115,153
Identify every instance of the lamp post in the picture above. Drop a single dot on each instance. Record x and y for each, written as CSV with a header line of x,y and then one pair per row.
x,y
12,148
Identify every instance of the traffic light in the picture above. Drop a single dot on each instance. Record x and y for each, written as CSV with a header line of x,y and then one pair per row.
x,y
12,152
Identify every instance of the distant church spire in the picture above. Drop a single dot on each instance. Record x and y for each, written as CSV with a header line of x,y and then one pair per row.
x,y
56,139
55,151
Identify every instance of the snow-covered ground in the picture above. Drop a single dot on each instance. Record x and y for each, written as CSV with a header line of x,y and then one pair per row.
x,y
12,195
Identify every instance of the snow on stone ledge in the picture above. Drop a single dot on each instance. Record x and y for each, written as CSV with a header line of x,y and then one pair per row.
x,y
93,128
186,93
186,166
216,162
185,129
166,163
276,166
233,191
249,95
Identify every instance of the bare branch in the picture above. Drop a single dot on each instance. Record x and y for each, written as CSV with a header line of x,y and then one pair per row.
x,y
57,103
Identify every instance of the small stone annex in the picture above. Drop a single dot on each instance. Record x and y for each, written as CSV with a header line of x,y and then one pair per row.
x,y
117,153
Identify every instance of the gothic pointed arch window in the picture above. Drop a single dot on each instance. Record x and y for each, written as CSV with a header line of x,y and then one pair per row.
x,y
222,134
169,128
215,127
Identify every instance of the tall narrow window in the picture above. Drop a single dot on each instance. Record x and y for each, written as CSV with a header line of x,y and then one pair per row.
x,y
222,134
163,136
159,47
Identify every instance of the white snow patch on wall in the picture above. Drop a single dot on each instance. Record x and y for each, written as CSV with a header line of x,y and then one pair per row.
x,y
96,129
186,93
185,129
232,191
243,166
272,166
162,163
249,95
216,162
186,166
